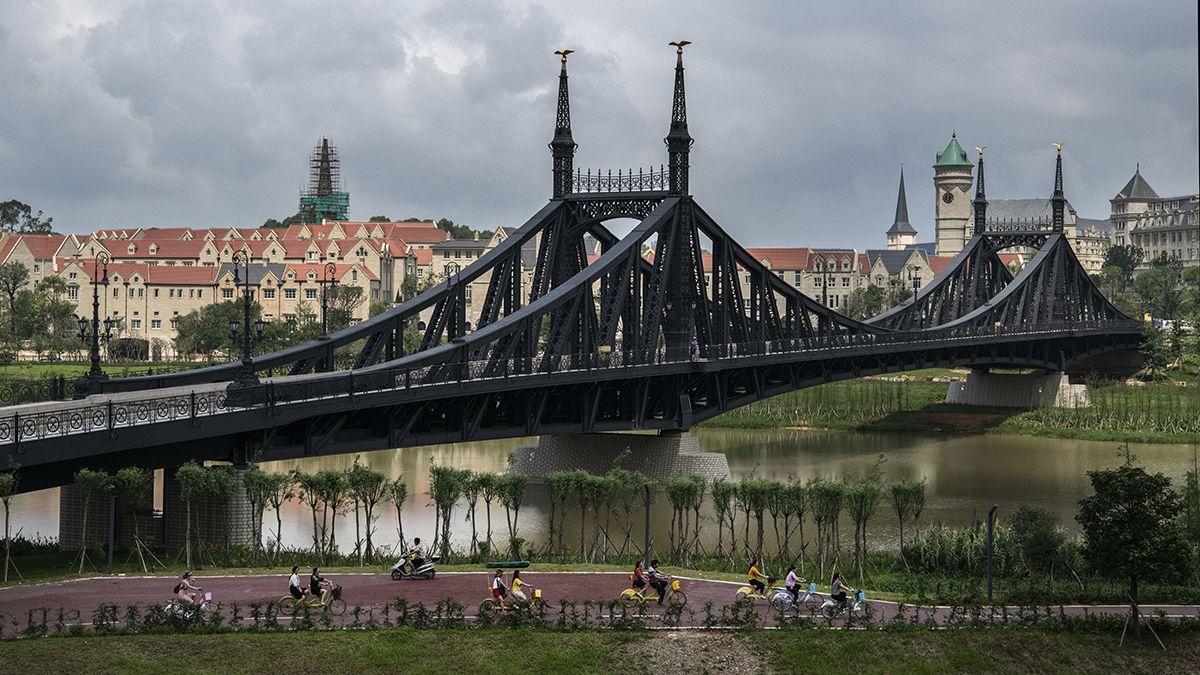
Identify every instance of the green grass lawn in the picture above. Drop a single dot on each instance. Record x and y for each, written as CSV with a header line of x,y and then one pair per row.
x,y
542,651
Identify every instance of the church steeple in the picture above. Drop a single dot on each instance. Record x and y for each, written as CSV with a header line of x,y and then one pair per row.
x,y
901,234
678,140
980,201
1058,201
562,148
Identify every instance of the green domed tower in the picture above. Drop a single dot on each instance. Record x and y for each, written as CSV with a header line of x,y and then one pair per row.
x,y
952,178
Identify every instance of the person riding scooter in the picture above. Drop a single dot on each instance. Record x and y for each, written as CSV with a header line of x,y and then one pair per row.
x,y
414,556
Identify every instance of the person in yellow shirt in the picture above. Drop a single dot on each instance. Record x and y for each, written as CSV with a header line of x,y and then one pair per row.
x,y
755,578
517,584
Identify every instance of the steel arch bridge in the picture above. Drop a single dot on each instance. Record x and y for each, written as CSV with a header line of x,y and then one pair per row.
x,y
628,341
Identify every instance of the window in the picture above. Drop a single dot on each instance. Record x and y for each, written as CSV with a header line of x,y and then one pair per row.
x,y
190,292
136,324
156,292
71,275
116,292
268,293
354,275
310,294
289,294
845,282
156,324
141,292
37,269
227,293
73,292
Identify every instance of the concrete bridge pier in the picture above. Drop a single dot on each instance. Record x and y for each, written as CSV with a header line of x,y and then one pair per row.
x,y
659,456
1051,389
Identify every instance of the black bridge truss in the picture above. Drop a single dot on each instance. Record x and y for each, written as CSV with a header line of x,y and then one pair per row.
x,y
633,340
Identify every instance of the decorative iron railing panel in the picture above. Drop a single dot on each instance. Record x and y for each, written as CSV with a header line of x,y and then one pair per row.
x,y
621,181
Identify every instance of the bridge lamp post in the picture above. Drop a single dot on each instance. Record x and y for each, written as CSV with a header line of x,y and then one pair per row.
x,y
915,276
99,278
246,376
328,282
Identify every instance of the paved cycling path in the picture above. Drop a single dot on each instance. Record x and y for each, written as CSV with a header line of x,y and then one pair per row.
x,y
377,589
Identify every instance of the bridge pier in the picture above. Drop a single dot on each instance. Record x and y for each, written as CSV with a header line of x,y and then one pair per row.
x,y
659,456
71,528
216,521
1052,389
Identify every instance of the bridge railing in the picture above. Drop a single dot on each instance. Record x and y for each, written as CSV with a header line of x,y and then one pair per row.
x,y
1006,225
622,181
193,406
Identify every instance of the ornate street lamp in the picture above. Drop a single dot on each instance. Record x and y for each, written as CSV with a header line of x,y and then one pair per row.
x,y
86,384
915,277
246,376
328,281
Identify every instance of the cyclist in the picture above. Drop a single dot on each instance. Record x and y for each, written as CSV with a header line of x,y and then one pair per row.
x,y
792,583
294,586
639,576
498,587
186,591
319,586
838,589
658,580
517,583
755,578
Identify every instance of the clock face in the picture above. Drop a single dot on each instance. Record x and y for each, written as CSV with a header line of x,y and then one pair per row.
x,y
948,197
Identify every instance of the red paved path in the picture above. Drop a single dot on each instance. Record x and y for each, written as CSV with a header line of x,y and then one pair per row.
x,y
376,590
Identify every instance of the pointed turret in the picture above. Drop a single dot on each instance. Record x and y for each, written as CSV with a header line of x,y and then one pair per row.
x,y
1058,201
901,234
678,140
980,201
562,148
1137,188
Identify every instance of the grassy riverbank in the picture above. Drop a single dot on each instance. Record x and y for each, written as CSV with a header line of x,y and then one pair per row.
x,y
1156,413
531,650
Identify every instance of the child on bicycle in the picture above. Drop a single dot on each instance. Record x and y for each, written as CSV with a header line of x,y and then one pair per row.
x,y
838,589
499,590
639,576
792,583
320,586
294,587
186,591
517,583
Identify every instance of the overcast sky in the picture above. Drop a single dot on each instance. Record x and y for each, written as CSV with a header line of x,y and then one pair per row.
x,y
121,113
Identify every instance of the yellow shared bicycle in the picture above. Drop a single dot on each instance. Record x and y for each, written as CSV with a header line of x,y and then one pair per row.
x,y
634,597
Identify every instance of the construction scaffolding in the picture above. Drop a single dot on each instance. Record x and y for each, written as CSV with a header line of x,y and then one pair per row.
x,y
324,198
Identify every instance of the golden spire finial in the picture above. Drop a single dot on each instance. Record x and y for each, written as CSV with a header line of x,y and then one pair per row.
x,y
980,149
1058,146
679,45
563,53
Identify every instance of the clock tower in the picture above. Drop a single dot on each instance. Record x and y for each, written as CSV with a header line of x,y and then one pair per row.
x,y
951,186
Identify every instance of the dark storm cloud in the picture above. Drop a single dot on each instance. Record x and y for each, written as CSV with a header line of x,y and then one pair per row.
x,y
160,113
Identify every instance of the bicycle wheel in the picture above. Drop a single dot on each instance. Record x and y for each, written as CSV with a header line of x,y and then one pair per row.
x,y
743,593
829,611
865,609
678,598
539,604
488,606
814,602
629,598
336,607
286,605
779,604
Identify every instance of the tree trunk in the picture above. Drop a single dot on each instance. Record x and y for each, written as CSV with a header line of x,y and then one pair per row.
x,y
7,542
487,504
187,533
1135,616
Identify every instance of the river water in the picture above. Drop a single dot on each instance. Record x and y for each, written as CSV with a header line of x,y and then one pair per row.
x,y
964,475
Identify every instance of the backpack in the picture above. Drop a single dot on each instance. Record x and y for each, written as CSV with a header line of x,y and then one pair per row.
x,y
178,586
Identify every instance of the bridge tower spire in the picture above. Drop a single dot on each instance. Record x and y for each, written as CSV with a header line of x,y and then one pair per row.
x,y
678,140
1058,201
980,201
562,148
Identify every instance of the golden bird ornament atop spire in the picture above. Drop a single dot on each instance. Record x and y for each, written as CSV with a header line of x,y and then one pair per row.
x,y
679,45
563,53
980,149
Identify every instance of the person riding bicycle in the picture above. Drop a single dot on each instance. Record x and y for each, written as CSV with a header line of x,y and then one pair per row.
x,y
517,583
639,576
838,589
319,586
499,590
186,591
755,578
294,587
792,583
414,556
658,580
